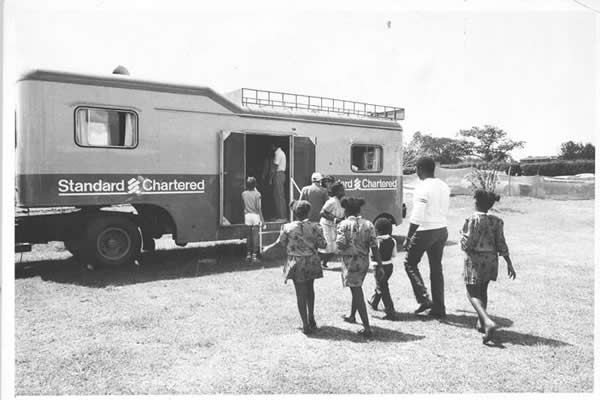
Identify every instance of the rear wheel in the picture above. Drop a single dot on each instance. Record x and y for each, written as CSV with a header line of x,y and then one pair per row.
x,y
112,240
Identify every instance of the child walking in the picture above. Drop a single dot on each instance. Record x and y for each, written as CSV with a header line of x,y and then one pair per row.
x,y
387,251
302,239
253,217
482,240
355,236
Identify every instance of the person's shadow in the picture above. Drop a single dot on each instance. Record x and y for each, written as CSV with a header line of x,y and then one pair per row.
x,y
502,335
334,333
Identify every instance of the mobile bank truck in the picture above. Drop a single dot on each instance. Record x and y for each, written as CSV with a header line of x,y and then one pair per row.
x,y
107,164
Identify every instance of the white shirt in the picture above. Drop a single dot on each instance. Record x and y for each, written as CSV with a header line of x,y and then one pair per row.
x,y
280,159
431,199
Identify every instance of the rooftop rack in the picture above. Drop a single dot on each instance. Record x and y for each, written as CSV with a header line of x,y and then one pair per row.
x,y
268,98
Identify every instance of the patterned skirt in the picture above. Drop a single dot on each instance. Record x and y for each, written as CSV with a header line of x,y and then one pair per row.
x,y
354,270
480,268
302,268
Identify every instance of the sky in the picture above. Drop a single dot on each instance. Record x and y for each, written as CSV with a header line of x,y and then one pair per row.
x,y
528,67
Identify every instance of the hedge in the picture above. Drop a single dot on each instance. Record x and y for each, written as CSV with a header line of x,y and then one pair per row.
x,y
559,167
514,168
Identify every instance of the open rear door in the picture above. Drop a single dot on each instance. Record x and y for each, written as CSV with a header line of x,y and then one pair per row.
x,y
232,177
304,162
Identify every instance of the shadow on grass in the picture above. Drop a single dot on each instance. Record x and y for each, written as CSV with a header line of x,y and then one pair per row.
x,y
502,336
379,335
154,266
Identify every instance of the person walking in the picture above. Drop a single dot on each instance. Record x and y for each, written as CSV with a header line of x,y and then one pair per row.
x,y
388,252
482,240
301,238
280,165
355,236
316,195
427,233
331,214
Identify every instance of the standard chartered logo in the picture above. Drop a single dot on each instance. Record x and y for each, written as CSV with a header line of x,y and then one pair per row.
x,y
134,186
370,184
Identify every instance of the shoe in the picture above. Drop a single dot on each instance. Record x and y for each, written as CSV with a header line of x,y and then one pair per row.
x,y
350,320
366,333
249,257
436,314
307,330
424,306
372,304
325,266
312,324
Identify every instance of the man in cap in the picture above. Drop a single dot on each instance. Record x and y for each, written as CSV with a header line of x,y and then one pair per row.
x,y
316,195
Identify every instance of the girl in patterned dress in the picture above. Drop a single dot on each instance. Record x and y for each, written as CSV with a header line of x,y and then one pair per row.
x,y
355,237
302,239
482,240
331,214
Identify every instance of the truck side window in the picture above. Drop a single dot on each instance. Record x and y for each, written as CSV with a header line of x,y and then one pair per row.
x,y
366,158
100,127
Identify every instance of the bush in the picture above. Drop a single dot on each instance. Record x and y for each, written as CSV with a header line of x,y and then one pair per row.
x,y
559,167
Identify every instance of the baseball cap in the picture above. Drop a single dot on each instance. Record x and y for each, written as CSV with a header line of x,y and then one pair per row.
x,y
316,177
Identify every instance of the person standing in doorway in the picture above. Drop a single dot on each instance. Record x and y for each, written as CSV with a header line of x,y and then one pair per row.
x,y
280,164
253,217
428,232
316,195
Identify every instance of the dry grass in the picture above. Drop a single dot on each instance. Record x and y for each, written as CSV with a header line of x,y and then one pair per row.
x,y
178,325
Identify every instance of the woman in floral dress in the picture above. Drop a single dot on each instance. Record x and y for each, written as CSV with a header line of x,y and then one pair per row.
x,y
482,240
331,214
302,239
355,237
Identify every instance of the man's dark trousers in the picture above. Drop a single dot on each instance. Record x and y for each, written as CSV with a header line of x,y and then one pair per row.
x,y
430,241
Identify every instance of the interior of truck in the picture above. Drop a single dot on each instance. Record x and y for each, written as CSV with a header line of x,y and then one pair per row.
x,y
259,164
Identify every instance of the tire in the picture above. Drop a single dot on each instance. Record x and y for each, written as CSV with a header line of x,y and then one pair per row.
x,y
112,241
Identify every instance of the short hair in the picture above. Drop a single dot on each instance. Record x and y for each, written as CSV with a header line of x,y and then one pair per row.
x,y
336,187
301,208
352,205
426,164
485,199
251,183
383,226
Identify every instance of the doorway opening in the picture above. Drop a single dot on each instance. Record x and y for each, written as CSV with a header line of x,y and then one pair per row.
x,y
260,151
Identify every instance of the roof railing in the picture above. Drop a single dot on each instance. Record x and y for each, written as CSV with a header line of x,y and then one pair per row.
x,y
268,98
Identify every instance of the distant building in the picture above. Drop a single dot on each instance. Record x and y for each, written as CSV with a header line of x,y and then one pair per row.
x,y
538,159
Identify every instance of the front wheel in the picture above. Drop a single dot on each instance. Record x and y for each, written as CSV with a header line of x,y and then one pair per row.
x,y
112,240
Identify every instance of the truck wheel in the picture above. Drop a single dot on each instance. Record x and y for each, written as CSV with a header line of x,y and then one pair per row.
x,y
112,241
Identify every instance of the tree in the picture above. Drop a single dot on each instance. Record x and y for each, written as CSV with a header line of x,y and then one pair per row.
x,y
577,151
441,149
489,143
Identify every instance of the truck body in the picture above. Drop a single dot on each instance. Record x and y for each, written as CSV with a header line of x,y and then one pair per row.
x,y
179,155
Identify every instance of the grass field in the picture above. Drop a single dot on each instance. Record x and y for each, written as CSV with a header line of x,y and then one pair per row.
x,y
199,320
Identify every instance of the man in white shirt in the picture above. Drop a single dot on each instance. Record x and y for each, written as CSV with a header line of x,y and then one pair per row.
x,y
428,232
279,162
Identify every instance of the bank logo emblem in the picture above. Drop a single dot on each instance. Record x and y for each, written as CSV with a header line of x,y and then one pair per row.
x,y
357,184
133,186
